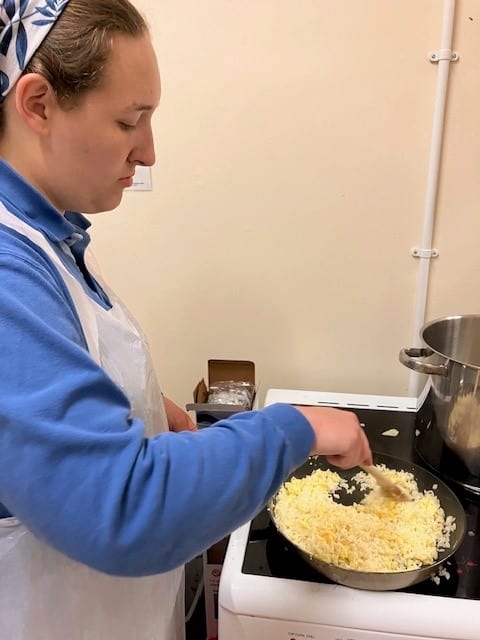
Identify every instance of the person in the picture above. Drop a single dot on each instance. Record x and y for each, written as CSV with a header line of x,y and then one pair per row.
x,y
106,488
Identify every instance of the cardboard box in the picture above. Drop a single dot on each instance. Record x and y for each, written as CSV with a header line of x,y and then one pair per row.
x,y
212,568
218,371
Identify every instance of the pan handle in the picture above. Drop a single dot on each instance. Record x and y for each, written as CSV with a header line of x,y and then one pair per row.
x,y
407,357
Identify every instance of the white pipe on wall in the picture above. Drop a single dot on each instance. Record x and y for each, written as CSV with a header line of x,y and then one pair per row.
x,y
416,381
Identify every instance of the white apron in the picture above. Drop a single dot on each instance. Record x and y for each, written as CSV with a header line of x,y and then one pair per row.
x,y
43,594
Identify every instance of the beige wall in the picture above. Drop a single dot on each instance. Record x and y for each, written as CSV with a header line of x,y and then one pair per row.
x,y
292,150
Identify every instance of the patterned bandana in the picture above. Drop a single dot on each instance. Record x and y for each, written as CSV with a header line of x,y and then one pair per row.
x,y
24,24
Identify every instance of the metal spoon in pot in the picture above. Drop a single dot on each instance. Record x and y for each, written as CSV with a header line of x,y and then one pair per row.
x,y
386,483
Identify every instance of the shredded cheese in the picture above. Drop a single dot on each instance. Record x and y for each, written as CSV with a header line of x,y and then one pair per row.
x,y
378,534
392,433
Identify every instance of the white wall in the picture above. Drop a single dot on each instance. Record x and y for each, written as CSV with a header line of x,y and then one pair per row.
x,y
292,149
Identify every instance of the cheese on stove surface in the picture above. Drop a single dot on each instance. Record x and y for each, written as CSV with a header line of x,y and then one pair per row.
x,y
391,433
378,534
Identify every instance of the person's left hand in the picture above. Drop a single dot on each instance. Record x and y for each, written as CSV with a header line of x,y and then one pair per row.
x,y
178,419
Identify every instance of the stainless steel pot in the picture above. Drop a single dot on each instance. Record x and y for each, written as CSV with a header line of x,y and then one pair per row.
x,y
452,348
382,581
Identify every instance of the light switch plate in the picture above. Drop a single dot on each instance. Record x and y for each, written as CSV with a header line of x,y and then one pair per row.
x,y
142,180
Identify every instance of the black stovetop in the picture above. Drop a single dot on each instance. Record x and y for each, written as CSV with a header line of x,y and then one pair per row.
x,y
268,553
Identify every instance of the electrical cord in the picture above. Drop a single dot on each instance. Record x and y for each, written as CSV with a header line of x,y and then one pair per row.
x,y
196,598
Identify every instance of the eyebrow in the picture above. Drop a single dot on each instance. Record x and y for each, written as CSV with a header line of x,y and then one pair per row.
x,y
136,106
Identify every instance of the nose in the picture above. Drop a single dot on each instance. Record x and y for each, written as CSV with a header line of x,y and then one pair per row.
x,y
144,150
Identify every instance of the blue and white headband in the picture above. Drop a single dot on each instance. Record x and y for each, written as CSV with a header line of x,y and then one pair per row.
x,y
24,24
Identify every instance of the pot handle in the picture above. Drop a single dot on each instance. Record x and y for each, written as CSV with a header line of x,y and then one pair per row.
x,y
407,356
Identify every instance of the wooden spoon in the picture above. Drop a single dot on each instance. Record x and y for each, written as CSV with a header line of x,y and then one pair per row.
x,y
386,483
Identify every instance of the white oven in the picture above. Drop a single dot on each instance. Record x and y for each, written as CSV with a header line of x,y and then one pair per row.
x,y
258,602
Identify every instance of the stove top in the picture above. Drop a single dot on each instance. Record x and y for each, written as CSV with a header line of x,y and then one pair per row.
x,y
268,553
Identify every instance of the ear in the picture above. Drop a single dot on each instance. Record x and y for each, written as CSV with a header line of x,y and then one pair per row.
x,y
34,100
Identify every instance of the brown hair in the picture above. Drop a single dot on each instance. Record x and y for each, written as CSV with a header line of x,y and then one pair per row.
x,y
73,55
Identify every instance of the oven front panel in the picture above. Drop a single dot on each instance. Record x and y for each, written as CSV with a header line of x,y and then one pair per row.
x,y
239,627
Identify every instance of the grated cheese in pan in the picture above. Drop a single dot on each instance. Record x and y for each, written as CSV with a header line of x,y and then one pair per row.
x,y
378,534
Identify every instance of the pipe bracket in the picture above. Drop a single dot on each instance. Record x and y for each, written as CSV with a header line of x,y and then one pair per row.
x,y
443,54
425,253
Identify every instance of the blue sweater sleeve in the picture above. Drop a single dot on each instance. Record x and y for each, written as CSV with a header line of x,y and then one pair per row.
x,y
81,474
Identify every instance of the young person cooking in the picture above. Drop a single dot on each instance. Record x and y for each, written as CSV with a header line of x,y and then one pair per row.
x,y
106,488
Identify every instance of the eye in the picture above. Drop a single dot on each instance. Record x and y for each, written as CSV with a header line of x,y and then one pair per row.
x,y
125,126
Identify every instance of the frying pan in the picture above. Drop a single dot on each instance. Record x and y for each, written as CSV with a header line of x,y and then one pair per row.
x,y
382,581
